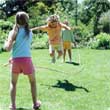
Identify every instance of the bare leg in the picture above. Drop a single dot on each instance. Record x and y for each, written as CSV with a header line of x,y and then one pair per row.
x,y
59,54
14,78
32,81
53,56
64,54
69,53
52,53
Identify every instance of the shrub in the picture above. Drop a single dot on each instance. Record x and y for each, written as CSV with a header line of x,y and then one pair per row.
x,y
3,36
83,34
40,41
101,41
5,25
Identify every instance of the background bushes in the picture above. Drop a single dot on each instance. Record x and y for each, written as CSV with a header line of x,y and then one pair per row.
x,y
40,41
101,41
92,16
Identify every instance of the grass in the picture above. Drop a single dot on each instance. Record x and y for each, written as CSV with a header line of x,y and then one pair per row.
x,y
62,86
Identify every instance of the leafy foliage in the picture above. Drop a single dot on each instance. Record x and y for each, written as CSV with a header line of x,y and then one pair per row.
x,y
105,22
92,9
102,41
5,25
92,17
12,6
40,41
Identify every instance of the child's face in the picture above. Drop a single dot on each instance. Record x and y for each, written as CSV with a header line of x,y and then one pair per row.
x,y
53,24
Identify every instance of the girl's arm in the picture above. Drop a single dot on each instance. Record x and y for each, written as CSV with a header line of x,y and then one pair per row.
x,y
74,28
35,28
65,26
43,28
11,38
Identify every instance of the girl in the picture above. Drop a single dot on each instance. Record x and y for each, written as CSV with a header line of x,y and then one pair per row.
x,y
19,40
67,38
53,29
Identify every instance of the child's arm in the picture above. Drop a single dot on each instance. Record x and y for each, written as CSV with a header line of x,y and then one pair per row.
x,y
75,28
11,38
43,28
65,26
35,28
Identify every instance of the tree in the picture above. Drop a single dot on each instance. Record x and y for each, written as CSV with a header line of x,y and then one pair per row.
x,y
92,9
104,22
12,6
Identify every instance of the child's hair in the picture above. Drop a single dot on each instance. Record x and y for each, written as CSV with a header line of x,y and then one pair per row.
x,y
22,19
53,18
66,22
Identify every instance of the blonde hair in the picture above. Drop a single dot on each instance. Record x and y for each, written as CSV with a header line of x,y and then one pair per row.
x,y
22,19
53,18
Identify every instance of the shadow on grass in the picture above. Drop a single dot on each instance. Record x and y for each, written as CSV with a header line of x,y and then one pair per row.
x,y
73,63
67,86
27,109
24,109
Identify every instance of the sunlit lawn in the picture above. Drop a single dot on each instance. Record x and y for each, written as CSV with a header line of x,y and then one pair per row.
x,y
62,86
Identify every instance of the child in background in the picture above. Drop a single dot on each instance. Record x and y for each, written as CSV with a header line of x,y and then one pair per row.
x,y
53,29
19,40
67,38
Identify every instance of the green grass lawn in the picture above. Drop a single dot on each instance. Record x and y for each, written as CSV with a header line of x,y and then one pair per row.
x,y
62,86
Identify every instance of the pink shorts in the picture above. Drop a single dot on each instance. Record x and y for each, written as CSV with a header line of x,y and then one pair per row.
x,y
22,65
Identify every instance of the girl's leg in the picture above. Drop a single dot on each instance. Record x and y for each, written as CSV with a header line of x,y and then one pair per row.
x,y
52,53
64,54
32,81
59,54
69,53
36,103
59,50
53,56
14,78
